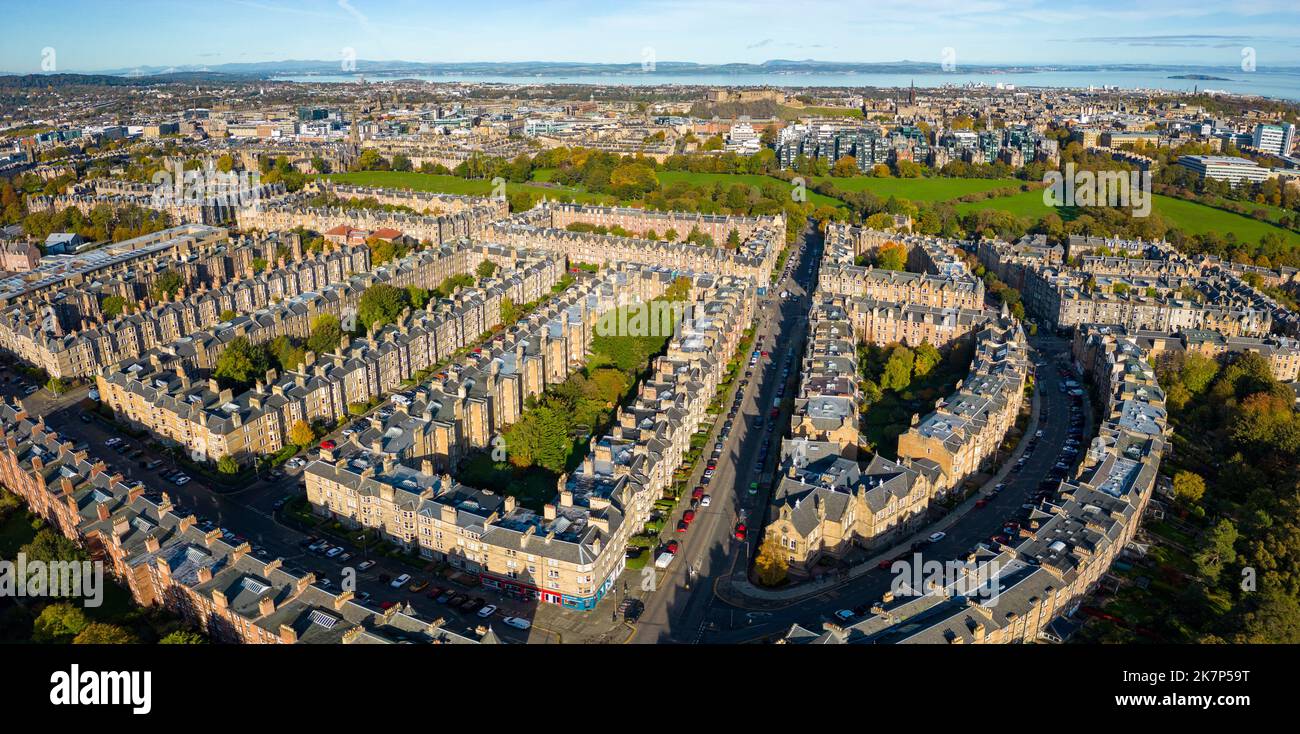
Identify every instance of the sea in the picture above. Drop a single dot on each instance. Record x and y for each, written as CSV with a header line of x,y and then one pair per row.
x,y
1261,82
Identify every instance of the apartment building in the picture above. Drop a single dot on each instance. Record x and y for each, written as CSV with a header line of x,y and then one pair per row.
x,y
570,552
170,560
164,395
1063,550
762,238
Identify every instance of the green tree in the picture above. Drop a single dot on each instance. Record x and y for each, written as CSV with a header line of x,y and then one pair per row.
x,y
167,285
926,359
1197,372
381,304
228,465
326,333
59,622
113,306
183,637
100,633
1189,487
241,364
485,269
898,369
1217,549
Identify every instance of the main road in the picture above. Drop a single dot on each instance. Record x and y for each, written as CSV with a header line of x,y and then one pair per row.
x,y
683,602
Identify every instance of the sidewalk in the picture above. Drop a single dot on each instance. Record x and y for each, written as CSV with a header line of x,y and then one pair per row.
x,y
737,590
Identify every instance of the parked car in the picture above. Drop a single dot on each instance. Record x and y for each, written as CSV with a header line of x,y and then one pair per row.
x,y
518,623
333,552
936,537
400,581
365,565
487,611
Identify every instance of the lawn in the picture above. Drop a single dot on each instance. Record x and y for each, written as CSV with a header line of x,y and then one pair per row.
x,y
921,189
1189,216
728,179
445,184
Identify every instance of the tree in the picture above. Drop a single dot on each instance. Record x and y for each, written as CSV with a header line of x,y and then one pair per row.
x,y
1189,487
879,220
240,364
100,633
1217,549
845,167
926,359
381,304
56,386
892,256
326,333
771,564
898,369
485,269
227,315
183,637
48,545
113,306
167,285
1197,372
301,434
1273,618
59,622
228,465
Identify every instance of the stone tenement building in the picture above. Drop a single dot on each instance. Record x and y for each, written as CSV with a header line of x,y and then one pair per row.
x,y
80,354
1069,542
468,402
167,559
964,432
158,393
424,202
540,228
827,501
938,278
290,212
571,552
161,250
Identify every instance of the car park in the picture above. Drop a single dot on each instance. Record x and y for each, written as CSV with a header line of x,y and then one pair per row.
x,y
400,581
487,611
365,565
518,623
333,552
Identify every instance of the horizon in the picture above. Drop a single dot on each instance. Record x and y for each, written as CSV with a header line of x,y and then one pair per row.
x,y
156,34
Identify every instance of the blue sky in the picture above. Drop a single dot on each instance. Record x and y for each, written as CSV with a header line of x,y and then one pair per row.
x,y
91,35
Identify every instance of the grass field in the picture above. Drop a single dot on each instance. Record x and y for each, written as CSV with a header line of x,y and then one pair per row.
x,y
1189,216
921,189
728,179
444,184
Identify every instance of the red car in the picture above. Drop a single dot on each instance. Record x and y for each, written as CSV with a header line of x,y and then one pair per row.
x,y
688,516
328,445
671,547
741,531
981,503
775,412
698,493
885,564
682,525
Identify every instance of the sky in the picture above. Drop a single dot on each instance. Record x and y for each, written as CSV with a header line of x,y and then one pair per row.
x,y
98,35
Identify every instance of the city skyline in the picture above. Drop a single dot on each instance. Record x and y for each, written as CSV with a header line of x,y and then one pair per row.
x,y
108,38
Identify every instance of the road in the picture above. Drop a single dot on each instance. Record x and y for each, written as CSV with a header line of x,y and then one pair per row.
x,y
683,602
741,625
250,513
